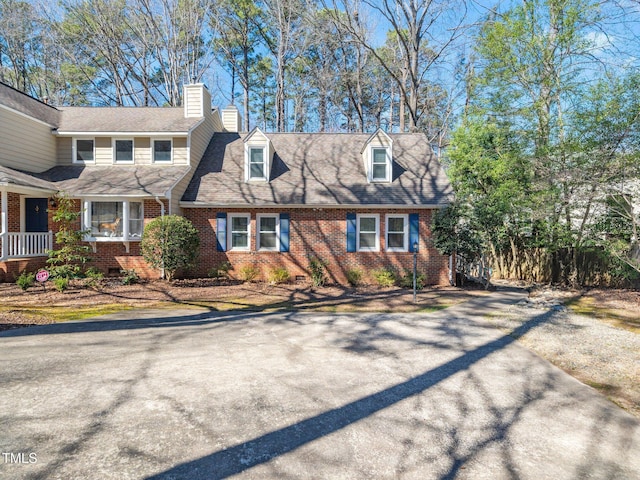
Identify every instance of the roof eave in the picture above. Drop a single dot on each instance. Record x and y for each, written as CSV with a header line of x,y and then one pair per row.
x,y
196,204
175,133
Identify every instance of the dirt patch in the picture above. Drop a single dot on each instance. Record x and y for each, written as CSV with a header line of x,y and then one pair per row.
x,y
39,306
591,334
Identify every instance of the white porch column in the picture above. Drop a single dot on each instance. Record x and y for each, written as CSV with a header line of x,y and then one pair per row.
x,y
4,225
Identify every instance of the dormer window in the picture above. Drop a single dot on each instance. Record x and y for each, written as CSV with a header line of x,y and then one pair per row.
x,y
377,157
257,163
381,165
258,152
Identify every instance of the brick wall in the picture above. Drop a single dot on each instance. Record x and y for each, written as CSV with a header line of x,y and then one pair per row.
x,y
111,257
321,233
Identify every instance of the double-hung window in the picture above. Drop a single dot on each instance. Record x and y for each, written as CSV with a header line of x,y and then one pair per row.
x,y
268,232
118,220
368,232
123,150
239,226
397,233
162,151
380,165
83,150
257,164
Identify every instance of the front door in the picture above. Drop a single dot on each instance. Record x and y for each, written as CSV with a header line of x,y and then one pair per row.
x,y
36,218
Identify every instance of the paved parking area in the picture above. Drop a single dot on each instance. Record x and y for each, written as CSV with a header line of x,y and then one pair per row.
x,y
195,394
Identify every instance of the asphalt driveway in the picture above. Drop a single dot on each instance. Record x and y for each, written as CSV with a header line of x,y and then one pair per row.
x,y
195,394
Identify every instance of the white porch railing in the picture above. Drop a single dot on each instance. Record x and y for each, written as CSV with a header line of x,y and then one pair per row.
x,y
29,244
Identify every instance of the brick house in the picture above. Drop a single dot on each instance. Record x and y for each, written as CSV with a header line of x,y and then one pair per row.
x,y
263,199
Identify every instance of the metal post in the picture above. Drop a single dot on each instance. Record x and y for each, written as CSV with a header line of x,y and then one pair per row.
x,y
415,268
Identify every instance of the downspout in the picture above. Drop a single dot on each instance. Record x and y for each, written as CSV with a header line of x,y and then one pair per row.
x,y
451,275
162,215
4,225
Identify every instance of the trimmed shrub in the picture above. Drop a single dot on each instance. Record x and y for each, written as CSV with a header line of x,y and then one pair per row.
x,y
384,277
170,243
248,273
61,283
92,277
354,277
317,268
278,275
129,277
406,280
220,271
26,280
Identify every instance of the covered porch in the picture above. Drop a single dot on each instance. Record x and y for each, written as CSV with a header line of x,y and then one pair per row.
x,y
24,216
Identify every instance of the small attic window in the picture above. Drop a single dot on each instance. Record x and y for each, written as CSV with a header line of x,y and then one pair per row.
x,y
380,164
257,163
258,153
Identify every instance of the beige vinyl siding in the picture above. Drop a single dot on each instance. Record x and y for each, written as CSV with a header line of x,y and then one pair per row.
x,y
142,151
193,101
206,102
178,190
104,151
380,140
231,119
26,144
65,150
217,121
180,151
200,138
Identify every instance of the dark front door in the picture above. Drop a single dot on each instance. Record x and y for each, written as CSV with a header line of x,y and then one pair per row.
x,y
36,215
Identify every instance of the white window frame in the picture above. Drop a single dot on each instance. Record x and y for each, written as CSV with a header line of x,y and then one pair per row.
x,y
74,150
153,150
265,174
388,164
126,237
258,231
133,150
377,232
405,231
230,217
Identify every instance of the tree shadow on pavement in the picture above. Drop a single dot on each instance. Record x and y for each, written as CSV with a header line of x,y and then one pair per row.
x,y
244,456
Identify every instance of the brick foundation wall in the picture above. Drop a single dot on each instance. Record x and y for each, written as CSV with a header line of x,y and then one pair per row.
x,y
10,270
321,233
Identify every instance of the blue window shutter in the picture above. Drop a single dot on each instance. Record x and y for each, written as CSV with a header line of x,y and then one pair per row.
x,y
284,232
351,232
413,230
221,232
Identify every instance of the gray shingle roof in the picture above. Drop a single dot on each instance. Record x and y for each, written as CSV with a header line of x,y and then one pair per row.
x,y
78,180
319,169
23,103
10,176
125,119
